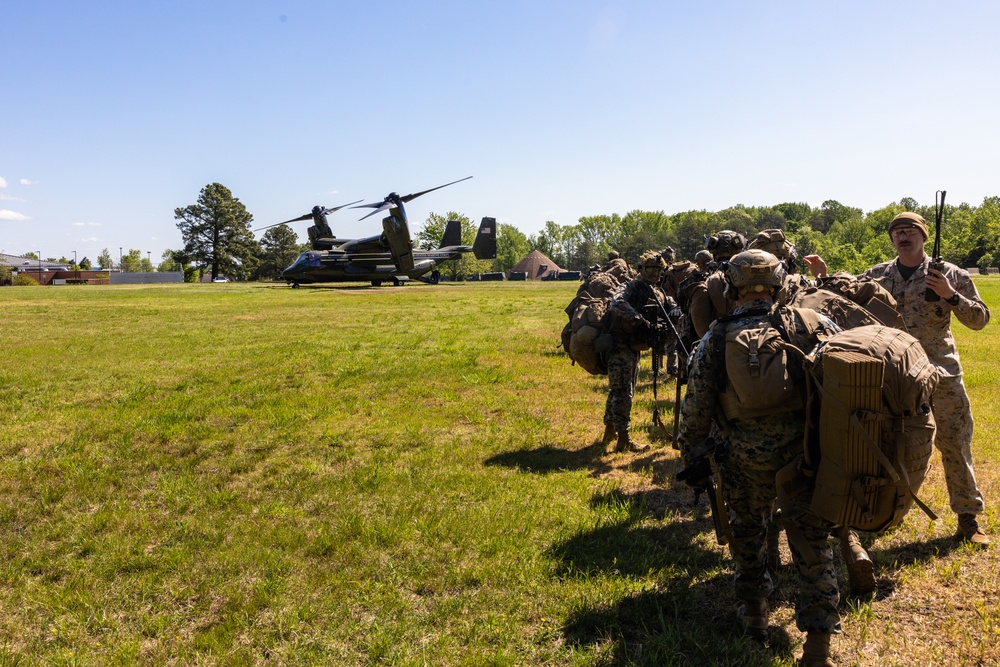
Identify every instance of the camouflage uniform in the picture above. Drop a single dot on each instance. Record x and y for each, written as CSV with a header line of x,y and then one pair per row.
x,y
670,283
756,449
623,359
930,323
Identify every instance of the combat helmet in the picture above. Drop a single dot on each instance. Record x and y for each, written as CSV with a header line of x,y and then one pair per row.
x,y
669,255
774,242
753,270
703,258
725,244
649,260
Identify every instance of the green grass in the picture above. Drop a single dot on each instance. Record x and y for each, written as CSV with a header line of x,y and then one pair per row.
x,y
249,475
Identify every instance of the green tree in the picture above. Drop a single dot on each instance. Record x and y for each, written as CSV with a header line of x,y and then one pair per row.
x,y
735,219
216,233
279,248
430,237
512,246
85,264
132,262
689,231
169,261
432,231
104,260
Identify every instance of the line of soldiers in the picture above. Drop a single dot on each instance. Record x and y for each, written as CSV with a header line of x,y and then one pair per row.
x,y
737,281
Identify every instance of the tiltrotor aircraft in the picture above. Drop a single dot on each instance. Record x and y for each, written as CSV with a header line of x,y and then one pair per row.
x,y
386,257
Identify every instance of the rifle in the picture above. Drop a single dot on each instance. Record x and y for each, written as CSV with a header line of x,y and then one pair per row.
x,y
656,308
937,263
699,474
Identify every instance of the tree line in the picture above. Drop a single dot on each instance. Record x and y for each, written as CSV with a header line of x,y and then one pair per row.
x,y
218,238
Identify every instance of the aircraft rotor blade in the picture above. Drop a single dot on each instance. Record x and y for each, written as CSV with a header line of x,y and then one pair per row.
x,y
337,208
409,198
379,207
383,205
307,216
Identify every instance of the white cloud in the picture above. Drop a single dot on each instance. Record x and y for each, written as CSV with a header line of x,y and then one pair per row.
x,y
3,182
6,214
9,198
25,181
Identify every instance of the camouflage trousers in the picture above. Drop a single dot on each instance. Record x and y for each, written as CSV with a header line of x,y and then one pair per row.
x,y
623,373
954,440
750,495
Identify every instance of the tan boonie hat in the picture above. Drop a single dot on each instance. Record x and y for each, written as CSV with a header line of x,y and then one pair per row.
x,y
908,219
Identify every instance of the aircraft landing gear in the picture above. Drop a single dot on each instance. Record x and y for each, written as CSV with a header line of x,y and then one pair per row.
x,y
376,283
397,282
295,285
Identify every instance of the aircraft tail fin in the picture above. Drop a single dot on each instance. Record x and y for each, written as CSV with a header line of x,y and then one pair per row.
x,y
485,245
452,234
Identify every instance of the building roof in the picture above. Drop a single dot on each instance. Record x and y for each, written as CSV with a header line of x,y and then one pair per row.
x,y
536,265
28,264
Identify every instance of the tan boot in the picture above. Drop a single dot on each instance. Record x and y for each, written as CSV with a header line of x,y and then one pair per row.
x,y
609,435
816,651
860,569
969,530
627,444
753,615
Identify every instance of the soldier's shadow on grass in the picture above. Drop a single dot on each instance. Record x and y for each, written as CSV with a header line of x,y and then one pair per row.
x,y
548,459
888,562
688,618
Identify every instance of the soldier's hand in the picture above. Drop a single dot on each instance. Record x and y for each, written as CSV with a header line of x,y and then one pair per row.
x,y
698,473
675,313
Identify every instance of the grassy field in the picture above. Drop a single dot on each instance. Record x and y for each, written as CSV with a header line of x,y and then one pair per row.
x,y
255,475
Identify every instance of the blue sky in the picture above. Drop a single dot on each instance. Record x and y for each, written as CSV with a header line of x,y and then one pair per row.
x,y
116,113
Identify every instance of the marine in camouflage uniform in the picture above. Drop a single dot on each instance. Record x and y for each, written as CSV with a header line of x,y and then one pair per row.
x,y
907,278
632,333
774,242
708,301
670,282
755,450
930,323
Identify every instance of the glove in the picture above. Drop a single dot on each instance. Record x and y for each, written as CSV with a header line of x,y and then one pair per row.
x,y
698,474
675,313
642,325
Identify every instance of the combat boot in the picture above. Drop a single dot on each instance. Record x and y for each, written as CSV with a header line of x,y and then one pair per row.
x,y
627,444
609,435
816,651
753,615
860,569
969,530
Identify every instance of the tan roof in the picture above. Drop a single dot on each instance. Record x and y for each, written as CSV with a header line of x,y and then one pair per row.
x,y
536,265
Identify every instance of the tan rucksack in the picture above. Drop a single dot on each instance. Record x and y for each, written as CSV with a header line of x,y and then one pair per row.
x,y
867,293
763,363
586,318
870,446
